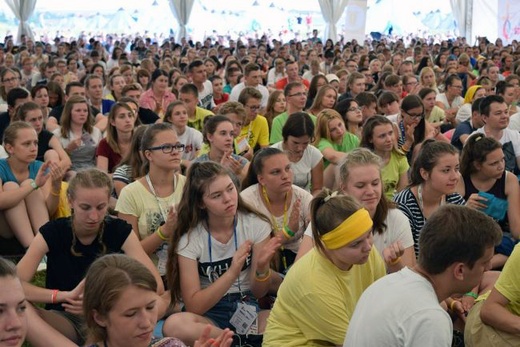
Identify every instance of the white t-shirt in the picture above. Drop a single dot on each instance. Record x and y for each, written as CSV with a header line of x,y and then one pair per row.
x,y
235,93
400,309
302,169
457,102
463,113
206,96
514,122
196,245
510,141
192,139
397,229
252,195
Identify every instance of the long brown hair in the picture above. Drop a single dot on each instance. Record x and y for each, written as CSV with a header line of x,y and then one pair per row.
x,y
66,118
200,175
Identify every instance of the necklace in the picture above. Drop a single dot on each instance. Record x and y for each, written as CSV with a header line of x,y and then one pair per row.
x,y
273,219
277,228
420,198
164,212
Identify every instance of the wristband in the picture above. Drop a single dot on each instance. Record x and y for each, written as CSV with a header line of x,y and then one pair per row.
x,y
453,304
397,260
160,234
53,193
264,276
472,294
34,185
288,231
54,296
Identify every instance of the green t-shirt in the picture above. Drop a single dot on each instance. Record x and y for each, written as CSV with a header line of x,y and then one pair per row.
x,y
349,142
392,171
277,126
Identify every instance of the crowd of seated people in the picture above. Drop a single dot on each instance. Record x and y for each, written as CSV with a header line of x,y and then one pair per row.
x,y
259,190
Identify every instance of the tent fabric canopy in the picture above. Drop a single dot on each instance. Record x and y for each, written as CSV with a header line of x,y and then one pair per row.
x,y
23,10
181,10
331,11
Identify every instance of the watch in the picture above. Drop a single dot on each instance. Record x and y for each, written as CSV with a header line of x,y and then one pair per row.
x,y
34,185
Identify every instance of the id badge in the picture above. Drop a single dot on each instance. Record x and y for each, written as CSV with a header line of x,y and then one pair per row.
x,y
244,318
241,144
162,254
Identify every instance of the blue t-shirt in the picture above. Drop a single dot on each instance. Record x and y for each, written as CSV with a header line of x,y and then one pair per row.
x,y
461,129
6,175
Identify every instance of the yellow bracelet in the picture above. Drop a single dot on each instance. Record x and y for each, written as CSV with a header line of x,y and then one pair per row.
x,y
395,261
263,278
452,304
53,193
160,234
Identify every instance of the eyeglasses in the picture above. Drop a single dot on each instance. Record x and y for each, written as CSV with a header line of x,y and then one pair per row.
x,y
458,87
411,83
298,94
352,66
12,79
415,116
253,108
169,148
352,109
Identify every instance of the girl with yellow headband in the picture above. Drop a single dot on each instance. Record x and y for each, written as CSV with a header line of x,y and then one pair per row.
x,y
318,296
360,176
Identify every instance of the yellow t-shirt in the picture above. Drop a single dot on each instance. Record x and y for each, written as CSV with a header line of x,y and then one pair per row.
x,y
256,132
317,299
508,284
198,121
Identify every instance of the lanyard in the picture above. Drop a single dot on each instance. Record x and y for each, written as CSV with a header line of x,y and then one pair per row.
x,y
273,219
420,197
150,185
275,223
236,249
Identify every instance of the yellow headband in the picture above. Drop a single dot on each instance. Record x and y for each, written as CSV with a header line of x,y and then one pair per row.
x,y
350,229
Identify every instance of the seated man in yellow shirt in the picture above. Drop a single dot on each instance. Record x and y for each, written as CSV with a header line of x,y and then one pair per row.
x,y
495,320
189,94
255,130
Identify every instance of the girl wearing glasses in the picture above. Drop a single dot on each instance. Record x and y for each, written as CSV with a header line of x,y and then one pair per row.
x,y
117,144
149,203
451,100
219,257
77,134
219,134
10,79
352,116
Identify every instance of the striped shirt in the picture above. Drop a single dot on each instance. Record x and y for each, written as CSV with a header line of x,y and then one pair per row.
x,y
409,205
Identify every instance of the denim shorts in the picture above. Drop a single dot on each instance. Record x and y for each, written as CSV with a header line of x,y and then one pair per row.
x,y
507,245
221,313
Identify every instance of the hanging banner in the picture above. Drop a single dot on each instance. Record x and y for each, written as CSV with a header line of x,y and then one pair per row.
x,y
509,20
355,21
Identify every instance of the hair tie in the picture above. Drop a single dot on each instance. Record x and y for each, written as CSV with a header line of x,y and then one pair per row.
x,y
330,196
480,137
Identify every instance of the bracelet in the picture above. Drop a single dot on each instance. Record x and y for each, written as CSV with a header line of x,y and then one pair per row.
x,y
287,232
264,276
406,150
34,185
452,304
160,234
54,296
472,294
53,193
397,260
